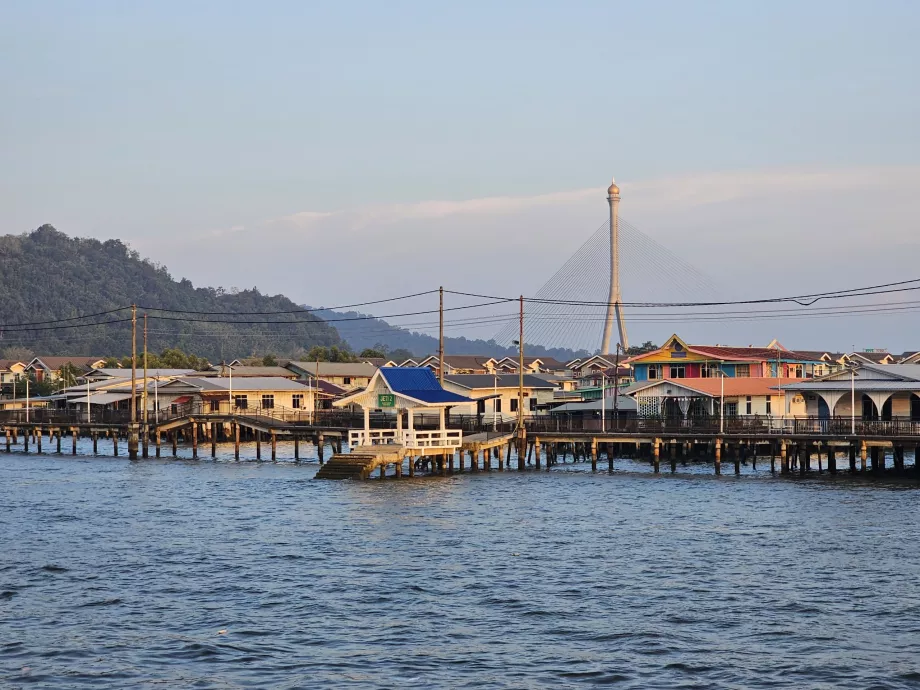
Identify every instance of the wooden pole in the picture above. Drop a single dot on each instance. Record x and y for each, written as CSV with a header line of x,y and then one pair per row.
x,y
159,441
236,440
718,456
319,447
594,455
213,441
194,439
73,441
863,455
9,448
258,444
296,449
174,434
57,436
95,443
38,440
274,446
536,451
851,450
115,442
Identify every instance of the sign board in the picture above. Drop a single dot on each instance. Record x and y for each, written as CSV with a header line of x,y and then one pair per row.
x,y
386,400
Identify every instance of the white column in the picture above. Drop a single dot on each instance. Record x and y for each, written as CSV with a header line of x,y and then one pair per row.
x,y
411,419
367,421
441,418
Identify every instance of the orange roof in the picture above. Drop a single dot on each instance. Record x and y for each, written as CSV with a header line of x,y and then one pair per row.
x,y
734,386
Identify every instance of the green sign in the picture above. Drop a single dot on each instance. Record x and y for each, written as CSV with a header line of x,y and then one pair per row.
x,y
386,400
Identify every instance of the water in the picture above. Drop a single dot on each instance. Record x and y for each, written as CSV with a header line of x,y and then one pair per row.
x,y
174,573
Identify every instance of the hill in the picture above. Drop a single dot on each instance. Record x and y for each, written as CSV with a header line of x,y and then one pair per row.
x,y
46,276
375,332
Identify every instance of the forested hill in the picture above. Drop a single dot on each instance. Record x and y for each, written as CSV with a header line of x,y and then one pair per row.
x,y
46,276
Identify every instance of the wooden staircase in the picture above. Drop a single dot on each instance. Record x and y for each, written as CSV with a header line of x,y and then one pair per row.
x,y
349,466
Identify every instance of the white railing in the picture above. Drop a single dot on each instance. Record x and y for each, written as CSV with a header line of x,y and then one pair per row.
x,y
439,438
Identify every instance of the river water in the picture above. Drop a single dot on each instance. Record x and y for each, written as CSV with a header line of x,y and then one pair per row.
x,y
223,574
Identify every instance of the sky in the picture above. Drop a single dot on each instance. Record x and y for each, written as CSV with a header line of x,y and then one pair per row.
x,y
342,152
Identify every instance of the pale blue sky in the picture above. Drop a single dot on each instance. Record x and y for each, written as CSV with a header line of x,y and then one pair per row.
x,y
169,120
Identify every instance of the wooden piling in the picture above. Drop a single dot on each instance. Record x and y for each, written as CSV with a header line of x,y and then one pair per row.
x,y
158,441
194,439
536,451
412,466
656,455
818,454
486,461
25,441
736,457
297,451
213,441
594,455
611,451
718,456
9,448
832,459
57,437
397,469
38,440
460,460
236,441
320,443
174,435
274,446
258,445
804,459
115,442
863,455
851,452
95,443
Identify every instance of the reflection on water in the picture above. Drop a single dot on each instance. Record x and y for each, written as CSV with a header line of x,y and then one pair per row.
x,y
225,574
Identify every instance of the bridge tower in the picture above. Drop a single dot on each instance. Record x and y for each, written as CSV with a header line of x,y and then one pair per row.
x,y
614,306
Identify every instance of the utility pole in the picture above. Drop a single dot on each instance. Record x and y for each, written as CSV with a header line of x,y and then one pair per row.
x,y
441,338
522,439
616,389
132,431
144,393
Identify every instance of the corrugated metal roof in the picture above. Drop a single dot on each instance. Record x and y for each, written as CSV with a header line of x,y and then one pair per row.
x,y
419,383
503,381
356,369
243,384
624,403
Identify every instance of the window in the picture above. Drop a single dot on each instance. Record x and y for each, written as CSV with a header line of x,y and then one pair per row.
x,y
709,371
769,404
480,407
514,404
654,372
241,402
268,401
678,371
215,405
498,404
347,380
748,405
533,404
795,371
297,401
731,409
743,371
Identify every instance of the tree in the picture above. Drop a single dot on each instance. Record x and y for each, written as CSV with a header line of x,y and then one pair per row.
x,y
69,374
329,354
400,355
269,361
373,352
647,346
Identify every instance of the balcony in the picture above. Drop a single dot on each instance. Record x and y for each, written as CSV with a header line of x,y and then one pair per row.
x,y
407,438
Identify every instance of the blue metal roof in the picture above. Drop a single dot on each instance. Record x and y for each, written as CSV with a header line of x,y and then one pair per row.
x,y
419,383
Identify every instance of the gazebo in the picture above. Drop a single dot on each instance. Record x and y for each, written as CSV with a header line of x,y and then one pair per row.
x,y
408,389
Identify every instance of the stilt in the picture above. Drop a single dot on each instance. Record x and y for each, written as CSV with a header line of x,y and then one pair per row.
x,y
158,440
297,451
820,464
832,459
236,441
656,455
783,458
175,442
486,461
213,441
57,437
383,471
320,443
412,466
863,454
115,442
718,459
508,454
536,451
474,461
38,440
398,468
610,453
95,444
145,441
460,459
594,455
522,449
450,462
9,448
736,457
258,445
804,459
851,451
498,456
274,446
673,457
25,442
194,440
